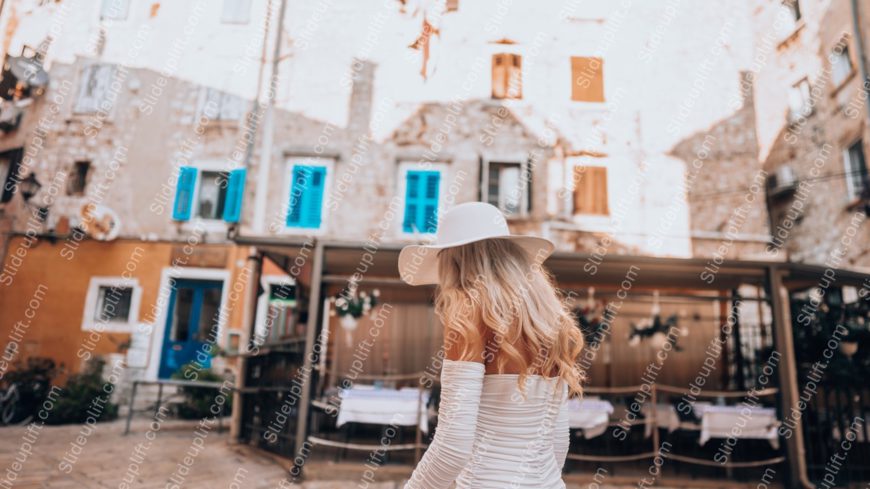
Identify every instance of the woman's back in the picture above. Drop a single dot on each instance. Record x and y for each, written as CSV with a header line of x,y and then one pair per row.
x,y
520,441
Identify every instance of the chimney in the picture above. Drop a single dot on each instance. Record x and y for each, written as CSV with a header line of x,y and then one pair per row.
x,y
363,74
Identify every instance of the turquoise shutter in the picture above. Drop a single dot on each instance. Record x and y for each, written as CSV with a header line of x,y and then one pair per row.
x,y
183,205
429,215
306,196
235,194
421,201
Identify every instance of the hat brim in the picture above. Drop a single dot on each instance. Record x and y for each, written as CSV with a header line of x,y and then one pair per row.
x,y
418,264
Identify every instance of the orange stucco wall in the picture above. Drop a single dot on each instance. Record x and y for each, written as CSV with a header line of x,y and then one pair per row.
x,y
50,284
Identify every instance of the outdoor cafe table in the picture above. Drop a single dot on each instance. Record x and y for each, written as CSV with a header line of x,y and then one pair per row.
x,y
739,422
590,415
398,407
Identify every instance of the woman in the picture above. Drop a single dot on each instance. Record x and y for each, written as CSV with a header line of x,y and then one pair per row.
x,y
510,347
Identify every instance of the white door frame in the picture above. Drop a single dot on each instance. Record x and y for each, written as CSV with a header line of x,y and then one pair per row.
x,y
217,274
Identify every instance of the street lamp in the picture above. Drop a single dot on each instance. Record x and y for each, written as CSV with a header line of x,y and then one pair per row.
x,y
29,187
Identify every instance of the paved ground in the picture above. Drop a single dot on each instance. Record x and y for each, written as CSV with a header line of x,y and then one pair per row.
x,y
180,454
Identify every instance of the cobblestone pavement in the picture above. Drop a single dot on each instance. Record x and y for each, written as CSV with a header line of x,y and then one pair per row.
x,y
101,457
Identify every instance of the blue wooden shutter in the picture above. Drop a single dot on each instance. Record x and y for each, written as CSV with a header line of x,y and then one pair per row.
x,y
235,194
306,196
183,205
421,201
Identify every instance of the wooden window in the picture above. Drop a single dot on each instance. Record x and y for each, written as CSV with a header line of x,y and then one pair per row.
x,y
421,201
111,304
507,76
94,88
841,63
590,190
587,79
79,180
305,207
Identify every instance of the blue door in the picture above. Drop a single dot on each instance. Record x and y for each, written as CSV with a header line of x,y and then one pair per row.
x,y
191,324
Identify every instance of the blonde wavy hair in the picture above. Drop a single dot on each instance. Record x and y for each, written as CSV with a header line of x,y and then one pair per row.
x,y
495,296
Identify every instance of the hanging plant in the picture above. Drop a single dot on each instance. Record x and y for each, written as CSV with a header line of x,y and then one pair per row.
x,y
656,331
349,307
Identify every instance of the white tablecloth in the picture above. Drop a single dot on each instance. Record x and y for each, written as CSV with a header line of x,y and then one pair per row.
x,y
739,422
591,416
667,417
364,404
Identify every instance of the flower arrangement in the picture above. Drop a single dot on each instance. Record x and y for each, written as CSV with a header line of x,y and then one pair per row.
x,y
351,304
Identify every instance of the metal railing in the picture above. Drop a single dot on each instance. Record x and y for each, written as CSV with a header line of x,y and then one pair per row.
x,y
169,382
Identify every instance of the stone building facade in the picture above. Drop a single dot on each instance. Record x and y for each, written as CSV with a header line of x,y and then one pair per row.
x,y
373,95
811,119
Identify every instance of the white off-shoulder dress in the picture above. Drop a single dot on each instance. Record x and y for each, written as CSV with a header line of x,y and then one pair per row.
x,y
492,436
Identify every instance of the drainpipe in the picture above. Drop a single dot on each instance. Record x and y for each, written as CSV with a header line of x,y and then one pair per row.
x,y
268,129
859,45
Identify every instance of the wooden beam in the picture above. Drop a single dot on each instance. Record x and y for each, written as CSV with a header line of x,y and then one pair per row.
x,y
788,377
310,337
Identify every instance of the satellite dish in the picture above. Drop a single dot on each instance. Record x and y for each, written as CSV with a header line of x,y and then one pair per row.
x,y
100,222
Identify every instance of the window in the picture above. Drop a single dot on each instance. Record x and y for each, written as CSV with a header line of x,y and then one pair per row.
x,y
507,76
280,317
112,304
78,181
236,12
799,100
590,190
94,88
856,170
220,106
305,202
218,194
841,63
421,201
10,162
587,79
212,195
506,186
114,9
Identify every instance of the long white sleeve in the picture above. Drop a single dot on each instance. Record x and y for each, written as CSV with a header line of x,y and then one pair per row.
x,y
561,436
451,448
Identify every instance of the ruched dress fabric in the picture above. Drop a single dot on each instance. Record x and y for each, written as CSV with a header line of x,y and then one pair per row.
x,y
490,435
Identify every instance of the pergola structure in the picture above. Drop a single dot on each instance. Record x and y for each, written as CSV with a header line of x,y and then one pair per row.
x,y
328,263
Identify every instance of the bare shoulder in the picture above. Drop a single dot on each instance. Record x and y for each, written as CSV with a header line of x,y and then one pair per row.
x,y
463,341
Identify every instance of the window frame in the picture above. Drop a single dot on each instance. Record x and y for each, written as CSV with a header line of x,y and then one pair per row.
x,y
513,54
404,166
845,41
808,107
587,218
853,192
89,323
267,282
290,163
524,164
82,78
217,225
573,81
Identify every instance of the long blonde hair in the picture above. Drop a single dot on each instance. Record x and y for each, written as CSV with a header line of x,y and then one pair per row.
x,y
492,292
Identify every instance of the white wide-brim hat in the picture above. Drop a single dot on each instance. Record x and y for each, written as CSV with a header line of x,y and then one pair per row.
x,y
463,224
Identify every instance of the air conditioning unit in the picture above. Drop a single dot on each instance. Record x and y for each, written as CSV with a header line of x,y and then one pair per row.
x,y
781,182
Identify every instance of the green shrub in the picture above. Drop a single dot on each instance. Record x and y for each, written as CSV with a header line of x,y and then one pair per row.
x,y
85,398
198,400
